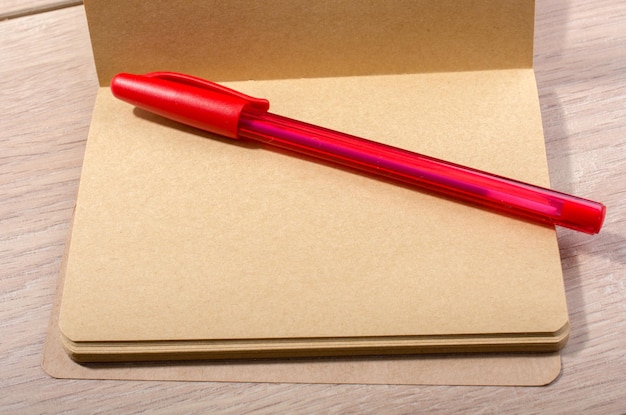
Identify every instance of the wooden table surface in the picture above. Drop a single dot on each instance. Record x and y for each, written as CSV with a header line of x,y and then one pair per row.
x,y
47,90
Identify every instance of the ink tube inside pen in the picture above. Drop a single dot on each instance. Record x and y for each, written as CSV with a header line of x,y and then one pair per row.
x,y
471,185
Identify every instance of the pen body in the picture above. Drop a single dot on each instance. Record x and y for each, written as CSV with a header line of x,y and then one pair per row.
x,y
220,110
471,185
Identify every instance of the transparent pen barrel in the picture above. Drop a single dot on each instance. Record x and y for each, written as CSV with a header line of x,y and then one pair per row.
x,y
470,185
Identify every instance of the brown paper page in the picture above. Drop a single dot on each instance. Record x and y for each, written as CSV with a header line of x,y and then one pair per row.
x,y
239,40
180,236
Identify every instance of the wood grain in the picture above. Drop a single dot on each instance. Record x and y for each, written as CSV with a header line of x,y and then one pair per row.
x,y
11,9
47,87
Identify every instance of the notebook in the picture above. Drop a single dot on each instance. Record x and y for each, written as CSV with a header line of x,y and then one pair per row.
x,y
189,246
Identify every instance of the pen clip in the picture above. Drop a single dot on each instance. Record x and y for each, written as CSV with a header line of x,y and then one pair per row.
x,y
260,104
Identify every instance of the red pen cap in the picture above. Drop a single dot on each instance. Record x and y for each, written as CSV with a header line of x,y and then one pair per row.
x,y
187,99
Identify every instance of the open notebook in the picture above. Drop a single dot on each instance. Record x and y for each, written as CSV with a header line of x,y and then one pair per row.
x,y
188,246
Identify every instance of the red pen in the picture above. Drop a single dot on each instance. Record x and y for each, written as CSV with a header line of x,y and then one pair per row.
x,y
223,111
